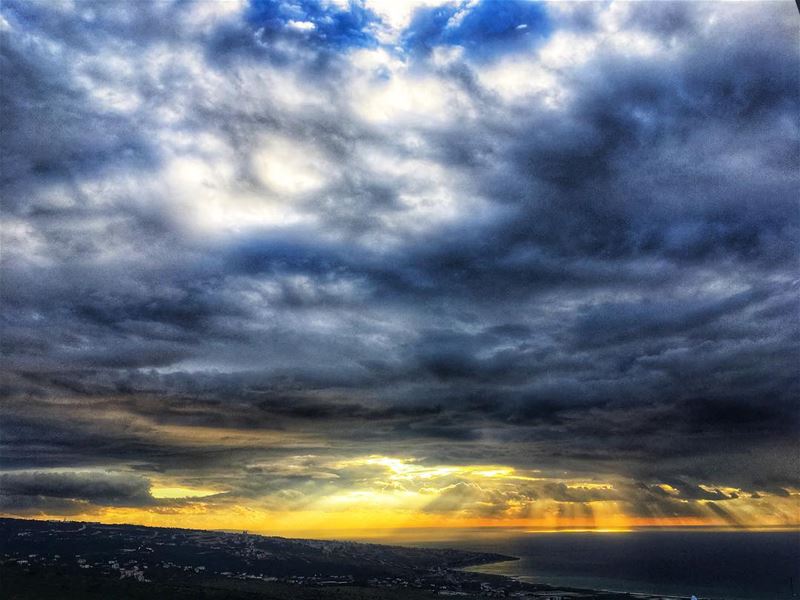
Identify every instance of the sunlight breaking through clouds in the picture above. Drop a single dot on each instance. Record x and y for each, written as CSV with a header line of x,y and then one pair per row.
x,y
338,265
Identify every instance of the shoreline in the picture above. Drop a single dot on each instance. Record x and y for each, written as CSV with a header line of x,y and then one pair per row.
x,y
524,580
433,562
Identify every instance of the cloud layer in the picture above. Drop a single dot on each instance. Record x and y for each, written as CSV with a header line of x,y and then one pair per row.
x,y
264,248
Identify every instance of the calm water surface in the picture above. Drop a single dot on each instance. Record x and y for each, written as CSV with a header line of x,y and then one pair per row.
x,y
729,565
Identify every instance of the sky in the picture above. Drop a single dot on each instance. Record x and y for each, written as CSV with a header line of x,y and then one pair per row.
x,y
319,265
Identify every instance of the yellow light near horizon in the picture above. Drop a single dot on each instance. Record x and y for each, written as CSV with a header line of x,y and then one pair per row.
x,y
411,469
389,521
589,485
668,488
397,494
176,492
503,472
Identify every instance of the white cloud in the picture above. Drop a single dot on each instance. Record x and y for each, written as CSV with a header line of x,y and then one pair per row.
x,y
291,167
396,14
302,25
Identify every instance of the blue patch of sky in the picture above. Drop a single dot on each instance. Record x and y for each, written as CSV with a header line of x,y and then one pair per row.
x,y
483,29
318,22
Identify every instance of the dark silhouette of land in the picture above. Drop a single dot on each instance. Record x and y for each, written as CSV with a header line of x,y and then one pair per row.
x,y
54,559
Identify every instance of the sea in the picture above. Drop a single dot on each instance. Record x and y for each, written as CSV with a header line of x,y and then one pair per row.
x,y
723,565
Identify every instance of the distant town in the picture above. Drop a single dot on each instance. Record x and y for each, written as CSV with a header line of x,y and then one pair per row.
x,y
55,559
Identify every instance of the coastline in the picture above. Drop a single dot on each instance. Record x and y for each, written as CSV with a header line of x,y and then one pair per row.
x,y
306,562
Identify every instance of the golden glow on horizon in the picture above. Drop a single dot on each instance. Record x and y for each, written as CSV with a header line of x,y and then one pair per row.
x,y
590,485
409,468
668,489
174,492
378,493
364,525
578,530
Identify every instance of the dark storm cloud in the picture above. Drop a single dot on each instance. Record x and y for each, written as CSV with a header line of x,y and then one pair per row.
x,y
614,323
100,488
607,284
43,126
33,493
